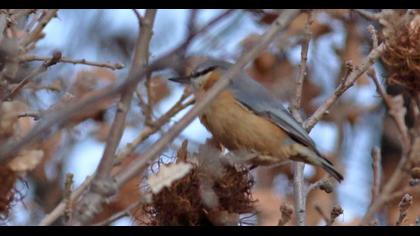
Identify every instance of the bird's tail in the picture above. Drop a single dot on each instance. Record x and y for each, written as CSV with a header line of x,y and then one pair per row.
x,y
315,158
327,166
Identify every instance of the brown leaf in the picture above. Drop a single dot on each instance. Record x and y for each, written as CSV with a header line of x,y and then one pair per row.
x,y
168,174
26,160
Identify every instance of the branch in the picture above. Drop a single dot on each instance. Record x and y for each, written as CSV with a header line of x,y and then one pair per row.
x,y
155,126
121,214
377,172
367,14
102,184
303,73
397,112
281,22
345,84
34,35
112,66
298,178
34,74
405,203
60,208
286,214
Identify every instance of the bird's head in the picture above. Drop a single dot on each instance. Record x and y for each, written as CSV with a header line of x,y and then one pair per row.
x,y
204,75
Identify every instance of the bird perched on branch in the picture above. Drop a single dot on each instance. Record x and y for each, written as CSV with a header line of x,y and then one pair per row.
x,y
245,116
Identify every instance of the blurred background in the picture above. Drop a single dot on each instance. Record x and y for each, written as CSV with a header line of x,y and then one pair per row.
x,y
356,123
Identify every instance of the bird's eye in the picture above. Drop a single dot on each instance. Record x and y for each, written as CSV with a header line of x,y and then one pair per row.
x,y
203,72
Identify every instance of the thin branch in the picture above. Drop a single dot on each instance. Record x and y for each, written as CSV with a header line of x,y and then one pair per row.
x,y
345,84
68,185
34,74
303,73
90,204
395,108
60,208
323,184
377,172
397,111
322,213
281,22
335,212
149,130
123,213
34,35
405,203
299,193
298,178
367,14
112,66
286,214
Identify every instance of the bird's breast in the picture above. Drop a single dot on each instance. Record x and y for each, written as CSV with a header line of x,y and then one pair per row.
x,y
237,127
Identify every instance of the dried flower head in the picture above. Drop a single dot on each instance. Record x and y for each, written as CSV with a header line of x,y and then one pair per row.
x,y
402,58
204,196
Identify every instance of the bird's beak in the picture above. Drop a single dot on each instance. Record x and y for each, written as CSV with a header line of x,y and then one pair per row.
x,y
181,80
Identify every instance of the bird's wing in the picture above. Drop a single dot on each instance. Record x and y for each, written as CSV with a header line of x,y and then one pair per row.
x,y
258,99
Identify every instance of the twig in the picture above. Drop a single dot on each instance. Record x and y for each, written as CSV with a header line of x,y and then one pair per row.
x,y
121,214
102,185
405,203
335,212
377,172
303,73
372,31
322,213
60,208
112,66
367,14
281,22
35,73
149,130
395,109
286,214
34,35
346,83
397,112
68,185
299,193
323,184
298,178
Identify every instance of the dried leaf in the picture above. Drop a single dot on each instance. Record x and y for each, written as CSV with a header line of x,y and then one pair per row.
x,y
26,160
168,174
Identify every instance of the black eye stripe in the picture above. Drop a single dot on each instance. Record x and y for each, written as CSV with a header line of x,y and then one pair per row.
x,y
203,72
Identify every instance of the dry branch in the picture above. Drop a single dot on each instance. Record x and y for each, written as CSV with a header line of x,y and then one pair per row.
x,y
102,185
298,178
112,66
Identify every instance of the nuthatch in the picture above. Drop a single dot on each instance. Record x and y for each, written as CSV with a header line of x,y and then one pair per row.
x,y
245,116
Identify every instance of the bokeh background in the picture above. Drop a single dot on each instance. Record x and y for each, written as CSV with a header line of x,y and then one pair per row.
x,y
355,124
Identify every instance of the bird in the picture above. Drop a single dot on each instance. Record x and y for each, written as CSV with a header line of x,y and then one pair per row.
x,y
246,116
